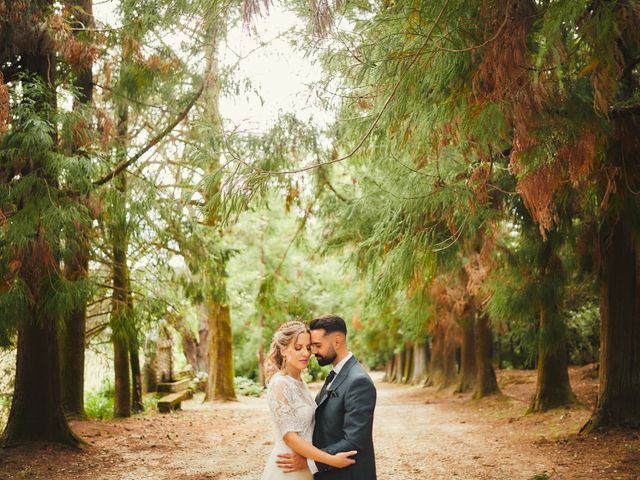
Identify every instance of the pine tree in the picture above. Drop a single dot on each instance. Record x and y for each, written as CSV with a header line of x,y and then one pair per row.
x,y
40,230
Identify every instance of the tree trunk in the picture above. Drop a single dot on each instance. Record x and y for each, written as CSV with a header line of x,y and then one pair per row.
x,y
486,382
388,370
420,362
618,402
408,363
552,387
467,356
442,368
498,350
72,340
436,364
122,385
220,384
136,379
149,376
36,410
398,366
164,356
119,318
194,348
450,372
407,366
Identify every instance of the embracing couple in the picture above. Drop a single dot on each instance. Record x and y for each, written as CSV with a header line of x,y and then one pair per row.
x,y
329,438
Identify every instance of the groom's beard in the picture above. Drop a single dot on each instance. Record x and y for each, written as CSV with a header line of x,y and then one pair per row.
x,y
322,360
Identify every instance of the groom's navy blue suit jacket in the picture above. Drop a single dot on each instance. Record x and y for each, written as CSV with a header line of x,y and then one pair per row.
x,y
344,421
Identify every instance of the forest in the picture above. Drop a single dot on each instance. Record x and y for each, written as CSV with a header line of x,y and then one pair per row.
x,y
458,179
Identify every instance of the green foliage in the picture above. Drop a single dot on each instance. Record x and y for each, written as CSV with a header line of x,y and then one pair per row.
x,y
314,371
98,403
540,476
150,403
278,275
584,334
43,218
247,387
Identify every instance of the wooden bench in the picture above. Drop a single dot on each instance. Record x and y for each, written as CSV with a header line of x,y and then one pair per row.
x,y
173,387
173,401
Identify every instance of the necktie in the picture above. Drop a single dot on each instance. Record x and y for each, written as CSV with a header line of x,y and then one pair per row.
x,y
330,377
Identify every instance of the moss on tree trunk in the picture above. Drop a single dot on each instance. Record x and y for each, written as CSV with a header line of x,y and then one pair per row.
x,y
220,384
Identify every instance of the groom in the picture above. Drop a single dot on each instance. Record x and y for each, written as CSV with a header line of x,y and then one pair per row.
x,y
344,416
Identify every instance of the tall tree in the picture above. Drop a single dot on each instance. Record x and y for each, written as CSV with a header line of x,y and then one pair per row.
x,y
220,384
72,337
33,241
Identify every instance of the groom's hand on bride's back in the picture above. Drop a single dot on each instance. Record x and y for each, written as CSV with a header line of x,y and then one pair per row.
x,y
291,462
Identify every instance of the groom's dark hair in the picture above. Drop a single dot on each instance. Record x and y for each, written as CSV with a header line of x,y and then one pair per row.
x,y
329,323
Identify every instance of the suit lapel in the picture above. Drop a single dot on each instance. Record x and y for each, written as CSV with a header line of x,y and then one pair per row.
x,y
323,395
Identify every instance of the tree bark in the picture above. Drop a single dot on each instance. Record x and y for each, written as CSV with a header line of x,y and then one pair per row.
x,y
149,380
450,370
220,384
397,367
552,386
408,363
486,383
618,403
388,369
122,385
194,348
136,379
467,356
119,309
36,410
72,339
442,368
420,362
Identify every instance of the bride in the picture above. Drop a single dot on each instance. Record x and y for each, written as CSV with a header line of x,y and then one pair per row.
x,y
291,403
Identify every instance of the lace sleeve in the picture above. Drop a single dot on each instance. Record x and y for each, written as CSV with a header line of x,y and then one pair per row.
x,y
284,401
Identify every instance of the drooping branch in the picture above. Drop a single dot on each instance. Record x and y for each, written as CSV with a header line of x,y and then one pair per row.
x,y
376,120
154,141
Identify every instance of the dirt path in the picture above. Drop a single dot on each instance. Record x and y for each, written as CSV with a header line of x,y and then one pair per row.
x,y
419,434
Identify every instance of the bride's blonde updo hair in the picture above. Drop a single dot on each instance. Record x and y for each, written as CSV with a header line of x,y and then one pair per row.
x,y
282,338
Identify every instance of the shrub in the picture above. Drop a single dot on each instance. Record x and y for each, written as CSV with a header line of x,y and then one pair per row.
x,y
98,403
247,387
583,327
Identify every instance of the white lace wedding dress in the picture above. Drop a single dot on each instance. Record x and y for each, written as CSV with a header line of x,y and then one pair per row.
x,y
292,410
